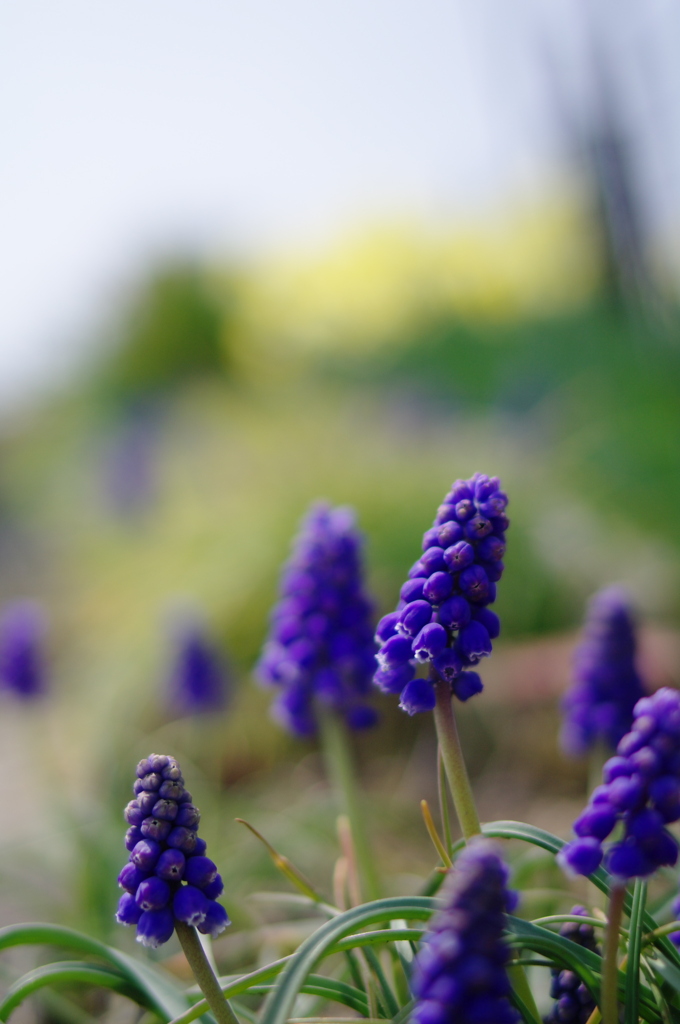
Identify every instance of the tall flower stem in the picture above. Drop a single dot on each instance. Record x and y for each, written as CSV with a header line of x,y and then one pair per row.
x,y
443,801
204,975
610,968
454,764
341,770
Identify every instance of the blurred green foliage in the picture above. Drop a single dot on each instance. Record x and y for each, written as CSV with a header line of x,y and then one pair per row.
x,y
172,331
600,385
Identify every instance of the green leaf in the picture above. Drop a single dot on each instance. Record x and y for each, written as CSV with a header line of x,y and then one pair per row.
x,y
374,938
553,844
71,972
404,1013
520,986
634,946
527,1016
233,986
558,949
582,961
279,1006
391,1004
328,988
162,994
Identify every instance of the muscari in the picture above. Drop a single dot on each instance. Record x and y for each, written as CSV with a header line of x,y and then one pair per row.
x,y
461,950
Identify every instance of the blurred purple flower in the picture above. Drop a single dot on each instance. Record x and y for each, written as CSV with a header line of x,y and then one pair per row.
x,y
22,657
573,1001
460,971
606,685
640,791
129,464
320,643
198,681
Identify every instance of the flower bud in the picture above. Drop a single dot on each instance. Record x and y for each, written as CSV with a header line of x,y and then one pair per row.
x,y
190,905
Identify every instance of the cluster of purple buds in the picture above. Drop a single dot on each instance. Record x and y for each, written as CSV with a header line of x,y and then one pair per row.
x,y
460,970
22,658
641,791
443,618
168,878
606,685
320,645
573,1001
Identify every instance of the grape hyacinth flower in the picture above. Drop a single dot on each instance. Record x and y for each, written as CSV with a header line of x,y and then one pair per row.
x,y
167,878
198,677
320,645
22,661
573,1002
641,790
606,685
459,972
130,459
443,618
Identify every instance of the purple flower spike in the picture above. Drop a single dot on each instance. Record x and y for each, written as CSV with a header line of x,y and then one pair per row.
x,y
167,877
323,624
444,603
641,791
198,678
459,973
606,685
573,1001
22,659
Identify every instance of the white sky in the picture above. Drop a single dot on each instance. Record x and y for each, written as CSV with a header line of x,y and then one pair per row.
x,y
127,126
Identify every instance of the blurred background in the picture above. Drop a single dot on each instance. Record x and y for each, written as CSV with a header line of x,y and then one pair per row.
x,y
257,254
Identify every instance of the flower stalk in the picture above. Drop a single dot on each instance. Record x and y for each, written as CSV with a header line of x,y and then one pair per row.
x,y
610,970
454,763
204,975
341,771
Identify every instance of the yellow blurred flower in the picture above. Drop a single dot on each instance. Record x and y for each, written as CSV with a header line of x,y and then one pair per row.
x,y
367,287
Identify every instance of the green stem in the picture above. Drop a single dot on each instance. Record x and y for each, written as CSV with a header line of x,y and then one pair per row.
x,y
452,756
340,767
658,933
203,973
443,801
610,1012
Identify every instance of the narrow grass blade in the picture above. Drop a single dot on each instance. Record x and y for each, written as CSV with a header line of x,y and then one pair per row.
x,y
302,962
69,972
634,947
164,996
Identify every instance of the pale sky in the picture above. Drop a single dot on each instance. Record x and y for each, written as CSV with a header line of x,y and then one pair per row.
x,y
131,126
